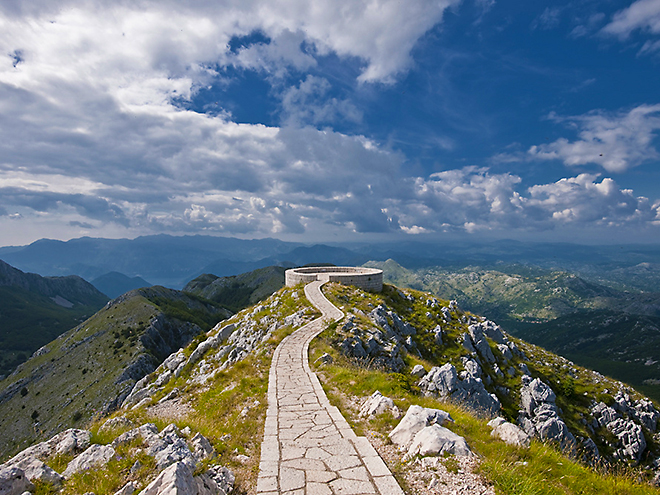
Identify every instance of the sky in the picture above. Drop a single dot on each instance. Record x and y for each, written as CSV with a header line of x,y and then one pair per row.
x,y
330,120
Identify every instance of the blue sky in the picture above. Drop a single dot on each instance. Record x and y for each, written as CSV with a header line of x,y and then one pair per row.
x,y
330,120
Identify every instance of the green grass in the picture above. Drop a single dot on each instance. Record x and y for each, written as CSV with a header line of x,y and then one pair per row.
x,y
229,410
541,469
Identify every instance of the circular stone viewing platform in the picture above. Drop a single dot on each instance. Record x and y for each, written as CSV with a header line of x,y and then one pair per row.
x,y
369,279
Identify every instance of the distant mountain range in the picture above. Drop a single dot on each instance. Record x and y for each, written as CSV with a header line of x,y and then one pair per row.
x,y
174,261
114,284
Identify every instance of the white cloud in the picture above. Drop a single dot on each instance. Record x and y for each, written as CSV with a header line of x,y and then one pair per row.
x,y
92,139
582,200
308,103
642,14
616,142
548,19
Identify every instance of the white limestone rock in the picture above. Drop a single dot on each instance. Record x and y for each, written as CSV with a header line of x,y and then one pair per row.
x,y
416,419
201,447
631,437
378,404
66,443
147,432
13,481
169,448
35,469
177,479
418,371
128,489
444,381
217,480
509,433
539,416
174,360
437,440
95,456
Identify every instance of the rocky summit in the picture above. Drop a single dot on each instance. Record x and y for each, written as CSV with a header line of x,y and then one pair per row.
x,y
401,393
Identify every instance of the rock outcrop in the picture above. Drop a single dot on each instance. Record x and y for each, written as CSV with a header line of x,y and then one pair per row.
x,y
444,382
416,419
539,416
508,432
176,457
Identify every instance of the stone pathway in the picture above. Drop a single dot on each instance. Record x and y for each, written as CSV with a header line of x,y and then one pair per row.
x,y
308,447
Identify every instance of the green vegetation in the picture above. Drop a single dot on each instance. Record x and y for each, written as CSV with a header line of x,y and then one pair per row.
x,y
31,320
229,410
541,469
229,407
82,373
599,327
238,291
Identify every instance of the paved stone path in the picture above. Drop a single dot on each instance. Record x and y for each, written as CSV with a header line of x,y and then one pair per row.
x,y
308,447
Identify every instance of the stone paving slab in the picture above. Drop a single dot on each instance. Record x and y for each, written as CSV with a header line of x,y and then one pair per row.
x,y
308,447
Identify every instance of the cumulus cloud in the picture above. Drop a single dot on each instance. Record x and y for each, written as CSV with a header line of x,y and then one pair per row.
x,y
92,137
616,142
472,200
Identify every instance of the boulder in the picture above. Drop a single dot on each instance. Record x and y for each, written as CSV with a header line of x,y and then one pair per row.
x,y
67,442
472,392
174,360
13,481
466,342
508,432
401,326
440,380
645,413
217,480
418,371
539,416
378,404
534,394
437,331
505,351
630,436
444,381
147,432
437,440
35,469
604,414
416,419
128,489
202,448
95,456
177,479
169,448
472,367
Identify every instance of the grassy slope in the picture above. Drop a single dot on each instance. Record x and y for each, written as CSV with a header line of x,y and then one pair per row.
x,y
238,291
542,469
76,378
29,320
229,410
218,410
582,321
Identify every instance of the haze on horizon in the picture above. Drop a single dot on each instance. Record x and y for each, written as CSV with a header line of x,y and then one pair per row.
x,y
330,120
